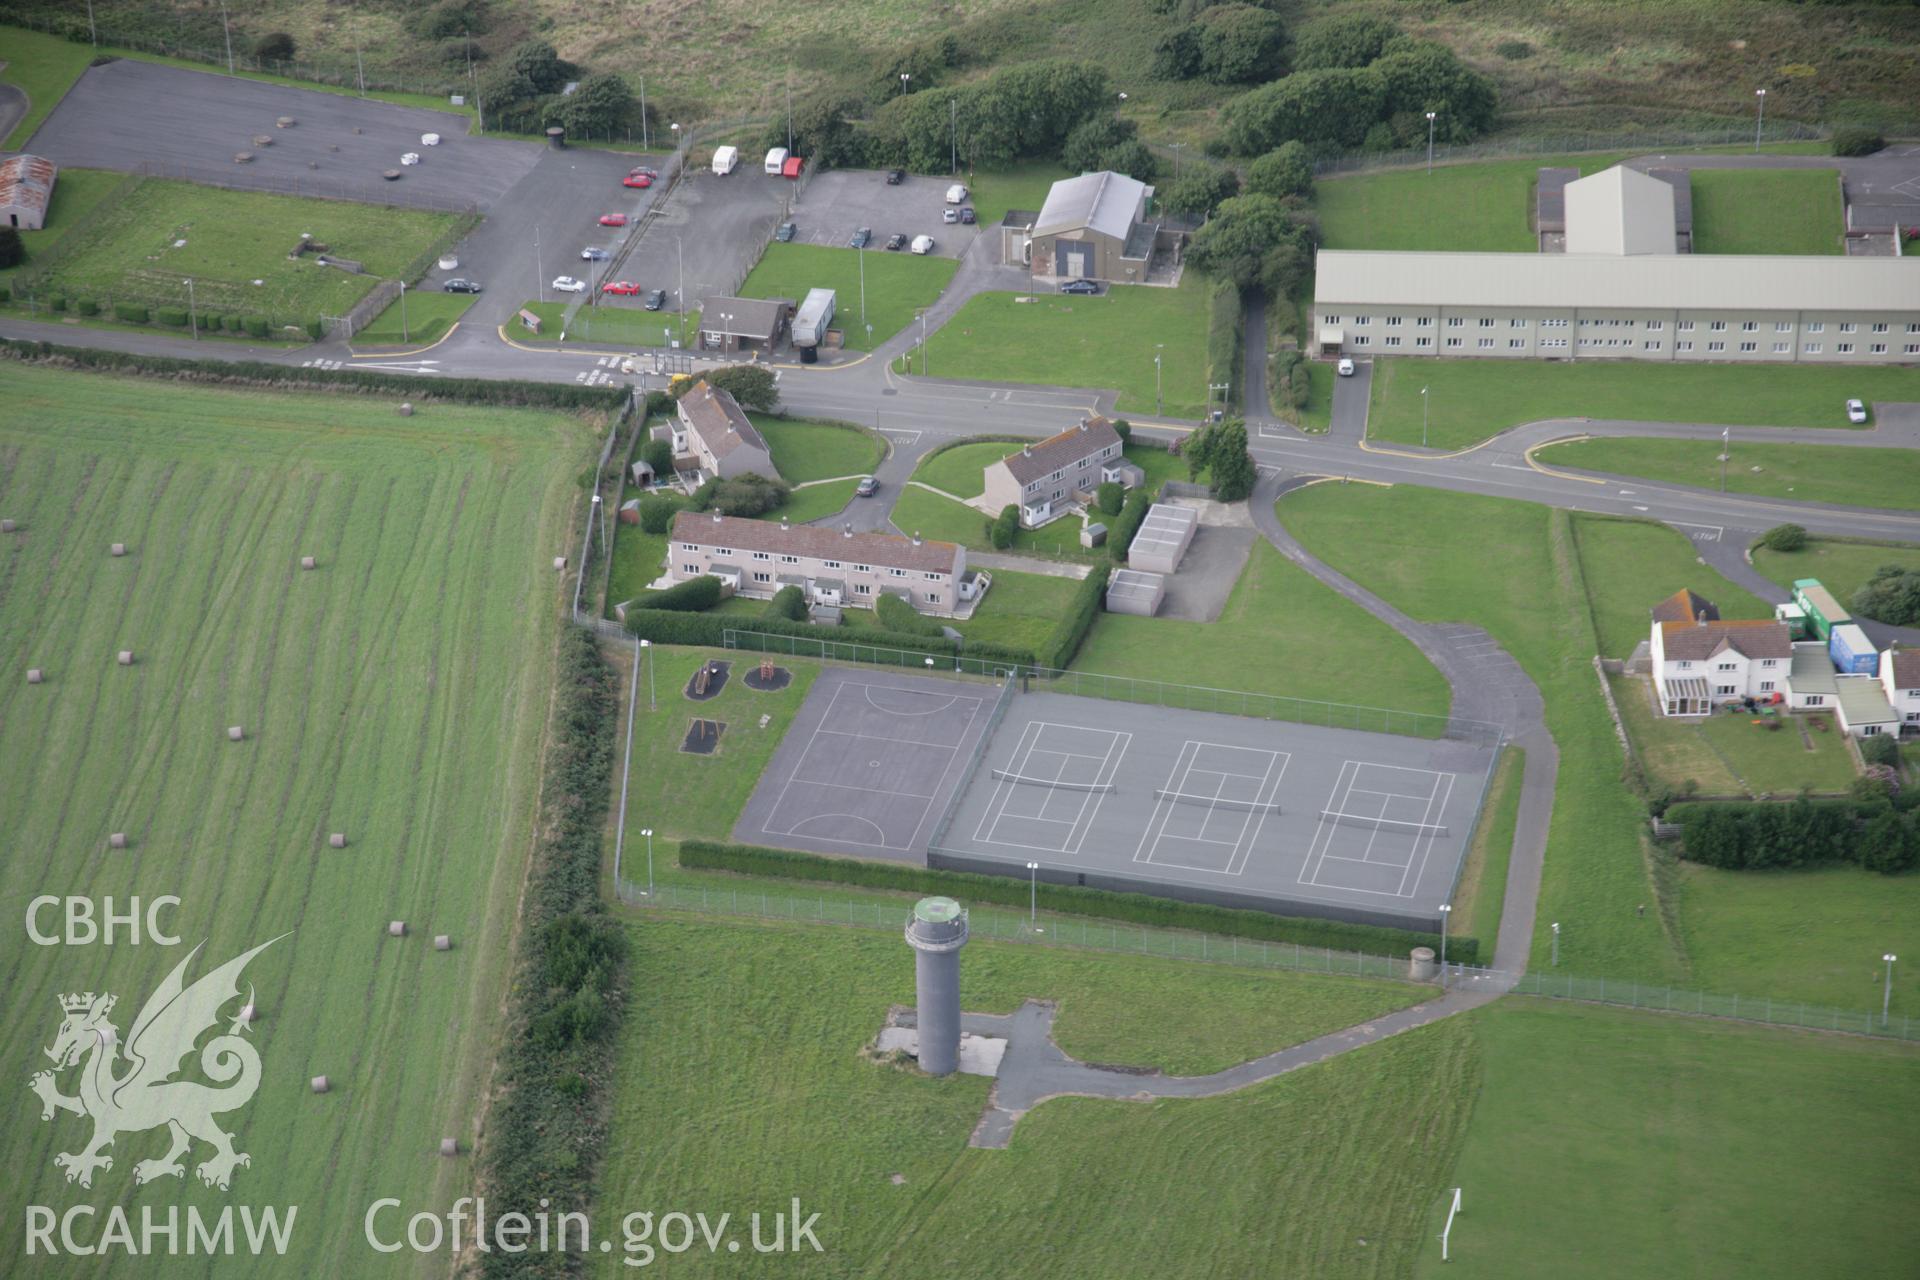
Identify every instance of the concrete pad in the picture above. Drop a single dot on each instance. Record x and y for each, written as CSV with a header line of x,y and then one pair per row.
x,y
979,1055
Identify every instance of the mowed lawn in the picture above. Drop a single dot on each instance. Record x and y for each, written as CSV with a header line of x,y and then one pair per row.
x,y
1730,755
961,470
1067,340
1607,1143
397,694
806,450
1457,208
75,193
1767,211
1470,400
1848,476
1631,565
1273,637
928,514
898,285
1842,567
43,67
611,322
742,1084
163,233
417,320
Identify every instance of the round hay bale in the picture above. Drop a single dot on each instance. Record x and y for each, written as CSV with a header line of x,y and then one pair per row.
x,y
35,675
406,410
243,157
126,657
235,733
308,562
338,839
118,840
560,562
391,175
449,1146
442,942
262,139
7,526
284,122
117,549
397,929
319,1084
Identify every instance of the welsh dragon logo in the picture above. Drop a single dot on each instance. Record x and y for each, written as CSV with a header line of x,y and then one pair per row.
x,y
145,1095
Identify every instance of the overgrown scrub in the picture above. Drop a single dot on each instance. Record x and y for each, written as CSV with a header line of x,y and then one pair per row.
x,y
898,616
1104,904
695,595
543,1148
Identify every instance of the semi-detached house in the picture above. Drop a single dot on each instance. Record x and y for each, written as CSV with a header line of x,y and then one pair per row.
x,y
714,432
834,567
1900,676
1044,479
1701,664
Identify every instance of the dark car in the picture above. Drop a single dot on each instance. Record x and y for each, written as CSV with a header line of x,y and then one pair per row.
x,y
966,215
655,299
861,238
1079,286
896,176
786,232
460,286
897,241
867,487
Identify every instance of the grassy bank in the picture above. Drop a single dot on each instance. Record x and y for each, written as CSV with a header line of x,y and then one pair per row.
x,y
1803,472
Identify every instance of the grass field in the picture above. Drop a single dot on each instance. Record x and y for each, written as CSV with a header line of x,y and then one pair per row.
x,y
899,285
1471,400
1481,897
163,233
75,193
1728,754
1767,211
1020,186
1458,208
961,470
1804,472
1842,567
927,513
427,319
1610,1144
43,67
626,326
398,695
1070,341
815,501
1272,638
806,450
742,1085
1631,565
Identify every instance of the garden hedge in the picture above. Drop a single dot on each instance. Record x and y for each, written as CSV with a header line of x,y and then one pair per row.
x,y
789,604
898,616
1103,904
695,595
256,326
664,627
175,317
87,307
1071,631
131,312
1131,517
1800,833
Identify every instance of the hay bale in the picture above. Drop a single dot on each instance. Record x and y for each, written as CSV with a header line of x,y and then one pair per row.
x,y
262,139
338,839
442,942
235,733
449,1146
308,562
7,526
406,409
35,675
560,562
319,1084
284,122
126,657
397,929
118,549
243,157
118,840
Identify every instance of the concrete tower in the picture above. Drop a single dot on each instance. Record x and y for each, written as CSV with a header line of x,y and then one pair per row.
x,y
936,931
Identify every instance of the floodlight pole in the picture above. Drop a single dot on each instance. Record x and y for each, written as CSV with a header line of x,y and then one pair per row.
x,y
680,250
648,833
863,287
648,646
643,115
1886,997
1760,120
1726,450
1556,944
1446,910
1033,896
789,117
1159,402
923,344
225,26
1423,417
193,319
1430,116
403,313
94,35
953,134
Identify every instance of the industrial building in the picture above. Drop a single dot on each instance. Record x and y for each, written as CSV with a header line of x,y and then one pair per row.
x,y
1093,227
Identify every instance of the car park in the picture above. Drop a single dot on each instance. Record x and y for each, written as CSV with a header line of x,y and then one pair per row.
x,y
922,244
458,285
567,284
1079,286
613,219
786,232
641,178
967,216
896,176
1856,411
896,242
1344,368
655,299
593,253
623,288
861,238
867,487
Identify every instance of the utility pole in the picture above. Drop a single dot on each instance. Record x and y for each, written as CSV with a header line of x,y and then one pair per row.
x,y
193,320
404,339
1033,896
923,344
789,118
1556,944
224,26
1886,998
94,35
1760,122
1159,402
539,276
863,286
1726,451
953,135
1430,116
643,115
1423,417
680,249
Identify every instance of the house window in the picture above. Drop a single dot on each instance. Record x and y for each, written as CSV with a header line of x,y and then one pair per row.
x,y
1848,327
1363,320
933,597
1684,326
1084,463
1869,730
1423,322
1554,324
1059,494
1783,326
690,568
761,555
1781,348
1331,320
719,553
1686,666
1516,323
1361,340
1516,342
1817,327
1749,346
1813,348
1914,327
898,573
1723,690
863,568
833,564
1652,346
761,576
1486,342
789,559
1727,666
1654,326
1844,348
863,588
1553,342
1393,341
1056,475
1878,349
1456,322
1683,346
932,577
1748,326
1486,322
1453,342
1816,700
1718,326
1769,662
1393,321
1423,342
1716,346
1766,686
1912,349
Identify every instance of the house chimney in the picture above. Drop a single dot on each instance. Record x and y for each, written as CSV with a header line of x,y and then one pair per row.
x,y
716,517
1701,619
916,537
846,530
1026,451
783,524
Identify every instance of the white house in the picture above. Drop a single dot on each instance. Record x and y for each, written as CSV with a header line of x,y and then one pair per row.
x,y
714,431
1862,709
1900,678
1698,665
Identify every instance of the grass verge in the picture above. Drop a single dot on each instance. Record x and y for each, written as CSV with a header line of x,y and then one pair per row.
x,y
1847,476
427,319
1482,895
898,285
43,67
1842,567
805,450
1631,565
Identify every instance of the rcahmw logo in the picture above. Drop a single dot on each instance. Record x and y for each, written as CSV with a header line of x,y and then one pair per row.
x,y
129,1087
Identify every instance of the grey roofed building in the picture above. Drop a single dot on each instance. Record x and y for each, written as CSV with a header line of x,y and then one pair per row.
x,y
1620,211
1093,227
1106,202
1056,470
1698,641
718,432
1863,708
748,322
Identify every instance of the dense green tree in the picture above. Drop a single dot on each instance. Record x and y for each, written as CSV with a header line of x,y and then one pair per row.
x,y
1241,44
750,384
1285,171
1242,233
1110,497
656,514
1321,108
1892,596
1784,537
1233,472
789,602
13,250
541,65
823,130
274,48
1420,76
601,104
1345,40
1200,190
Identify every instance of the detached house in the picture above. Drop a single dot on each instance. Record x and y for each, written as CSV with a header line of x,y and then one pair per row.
x,y
834,567
1900,678
1685,606
1698,665
712,433
1045,479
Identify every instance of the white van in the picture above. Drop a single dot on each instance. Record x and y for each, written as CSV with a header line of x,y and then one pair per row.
x,y
724,159
776,160
956,194
922,244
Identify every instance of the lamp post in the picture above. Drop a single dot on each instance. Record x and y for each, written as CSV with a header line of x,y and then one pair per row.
x,y
680,294
539,276
1033,896
1430,118
726,329
193,318
1446,909
1760,119
1159,405
648,833
1423,417
1176,160
789,119
403,314
1726,451
863,287
904,77
923,343
1886,997
643,115
953,135
648,646
1556,944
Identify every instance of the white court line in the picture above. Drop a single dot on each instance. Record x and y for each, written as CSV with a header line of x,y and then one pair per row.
x,y
1439,790
1031,742
1424,841
1179,782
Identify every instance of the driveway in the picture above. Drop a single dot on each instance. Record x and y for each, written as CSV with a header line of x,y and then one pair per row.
x,y
1348,419
173,123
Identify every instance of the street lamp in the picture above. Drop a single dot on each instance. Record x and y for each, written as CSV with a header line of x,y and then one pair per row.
x,y
404,339
1556,944
1423,417
648,833
648,646
1159,405
1760,120
904,77
1446,909
726,329
1033,897
923,344
1176,160
1886,998
1726,452
539,276
193,319
1430,117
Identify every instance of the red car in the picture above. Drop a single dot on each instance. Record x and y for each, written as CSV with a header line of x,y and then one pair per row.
x,y
625,288
613,219
639,178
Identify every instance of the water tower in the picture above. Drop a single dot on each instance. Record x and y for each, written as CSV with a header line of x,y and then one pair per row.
x,y
936,931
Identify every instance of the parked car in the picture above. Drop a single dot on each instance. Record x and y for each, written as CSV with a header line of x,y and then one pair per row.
x,y
1856,411
623,288
613,219
949,215
458,285
786,232
655,299
867,487
966,216
1079,286
957,193
593,253
861,238
567,284
896,242
642,178
922,244
429,139
896,176
1344,368
411,158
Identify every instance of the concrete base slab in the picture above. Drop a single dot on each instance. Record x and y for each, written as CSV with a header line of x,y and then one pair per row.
x,y
979,1055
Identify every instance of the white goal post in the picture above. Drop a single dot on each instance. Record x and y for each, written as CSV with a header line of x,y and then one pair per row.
x,y
1447,1233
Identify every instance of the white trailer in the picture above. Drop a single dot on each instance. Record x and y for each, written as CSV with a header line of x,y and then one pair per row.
x,y
724,159
812,320
776,161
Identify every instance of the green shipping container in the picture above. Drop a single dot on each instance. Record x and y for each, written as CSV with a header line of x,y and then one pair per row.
x,y
1823,611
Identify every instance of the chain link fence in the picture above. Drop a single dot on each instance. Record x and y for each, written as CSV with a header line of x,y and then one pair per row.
x,y
1638,140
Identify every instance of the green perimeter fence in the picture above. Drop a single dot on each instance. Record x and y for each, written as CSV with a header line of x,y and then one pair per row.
x,y
1011,926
